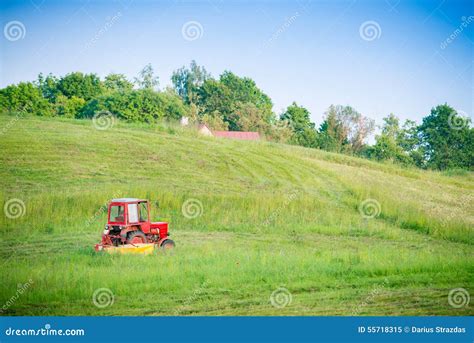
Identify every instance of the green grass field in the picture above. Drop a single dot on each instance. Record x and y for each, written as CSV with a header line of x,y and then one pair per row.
x,y
275,219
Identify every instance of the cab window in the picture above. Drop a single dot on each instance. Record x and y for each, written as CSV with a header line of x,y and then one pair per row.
x,y
117,214
143,211
132,213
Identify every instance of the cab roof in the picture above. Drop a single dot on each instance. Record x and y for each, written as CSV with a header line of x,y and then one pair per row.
x,y
127,200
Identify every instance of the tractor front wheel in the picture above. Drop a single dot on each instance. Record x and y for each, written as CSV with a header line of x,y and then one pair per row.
x,y
136,237
167,244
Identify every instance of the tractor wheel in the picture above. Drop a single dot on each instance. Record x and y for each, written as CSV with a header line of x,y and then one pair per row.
x,y
136,237
167,244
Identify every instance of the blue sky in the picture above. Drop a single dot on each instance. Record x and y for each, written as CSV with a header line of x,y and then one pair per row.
x,y
378,56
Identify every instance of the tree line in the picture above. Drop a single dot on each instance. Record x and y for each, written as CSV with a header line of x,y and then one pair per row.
x,y
443,140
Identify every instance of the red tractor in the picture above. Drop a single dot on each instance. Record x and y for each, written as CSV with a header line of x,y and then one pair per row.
x,y
128,224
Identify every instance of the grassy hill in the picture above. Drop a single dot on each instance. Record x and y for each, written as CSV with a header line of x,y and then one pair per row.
x,y
270,217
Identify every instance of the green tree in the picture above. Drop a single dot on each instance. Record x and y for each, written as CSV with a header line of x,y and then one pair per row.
x,y
212,99
174,106
229,94
85,86
391,126
280,132
397,143
186,81
117,83
249,118
410,142
333,135
244,90
146,78
388,144
48,86
142,105
447,138
298,119
215,121
24,98
345,130
69,107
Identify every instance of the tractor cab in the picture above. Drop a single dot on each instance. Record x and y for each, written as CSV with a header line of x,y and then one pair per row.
x,y
128,222
129,211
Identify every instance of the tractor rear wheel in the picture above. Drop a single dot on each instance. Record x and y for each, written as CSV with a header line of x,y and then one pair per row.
x,y
136,237
167,244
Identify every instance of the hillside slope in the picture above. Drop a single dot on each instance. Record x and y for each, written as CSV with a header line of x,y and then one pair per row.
x,y
269,216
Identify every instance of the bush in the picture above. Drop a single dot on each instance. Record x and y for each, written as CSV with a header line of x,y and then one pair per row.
x,y
24,98
137,106
68,107
85,86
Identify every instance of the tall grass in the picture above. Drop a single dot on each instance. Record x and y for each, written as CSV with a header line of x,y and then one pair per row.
x,y
272,216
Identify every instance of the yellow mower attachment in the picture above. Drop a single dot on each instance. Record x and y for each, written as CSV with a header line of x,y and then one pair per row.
x,y
139,248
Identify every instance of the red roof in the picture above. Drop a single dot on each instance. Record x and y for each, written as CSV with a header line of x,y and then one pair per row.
x,y
251,136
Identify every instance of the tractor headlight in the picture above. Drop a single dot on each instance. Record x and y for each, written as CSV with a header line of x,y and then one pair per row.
x,y
106,231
